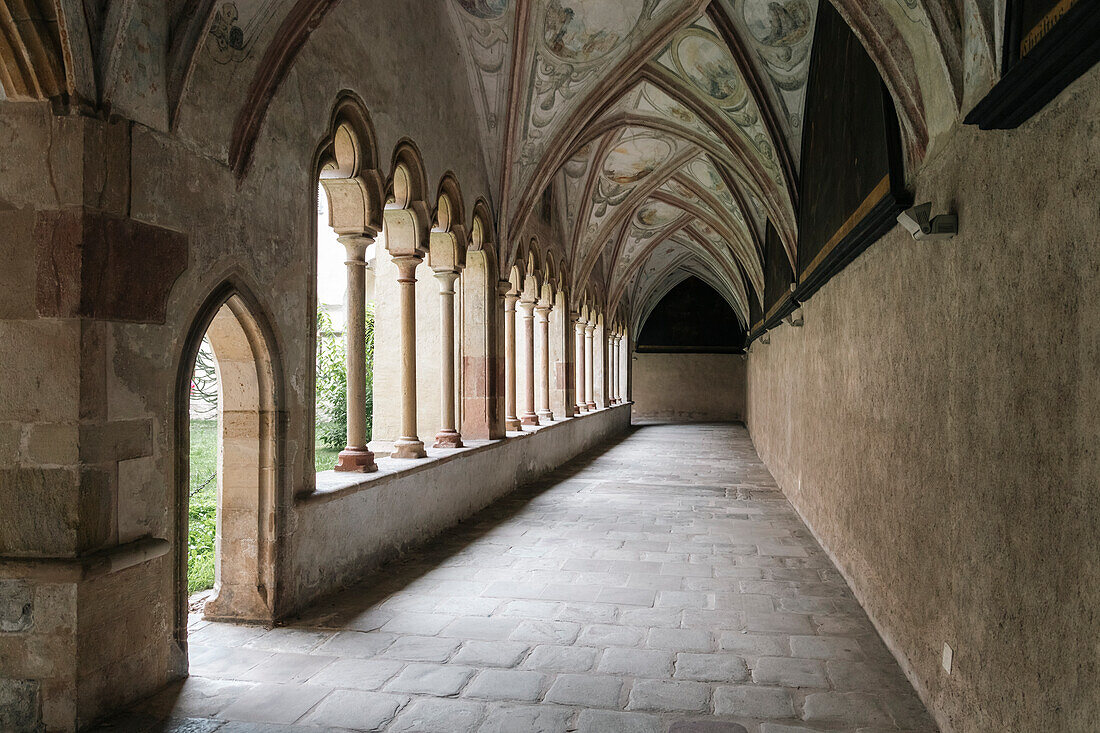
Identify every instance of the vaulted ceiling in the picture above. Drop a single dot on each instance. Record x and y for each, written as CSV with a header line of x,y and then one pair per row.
x,y
668,130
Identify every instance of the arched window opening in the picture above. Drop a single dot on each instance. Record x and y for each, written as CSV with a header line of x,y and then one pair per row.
x,y
331,385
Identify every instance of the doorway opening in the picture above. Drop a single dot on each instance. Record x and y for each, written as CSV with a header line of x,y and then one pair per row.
x,y
227,436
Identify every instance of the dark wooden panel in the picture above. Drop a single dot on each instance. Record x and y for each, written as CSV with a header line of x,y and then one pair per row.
x,y
1048,44
778,276
852,168
692,318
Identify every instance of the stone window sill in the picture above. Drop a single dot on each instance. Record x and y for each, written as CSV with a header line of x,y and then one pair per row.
x,y
331,484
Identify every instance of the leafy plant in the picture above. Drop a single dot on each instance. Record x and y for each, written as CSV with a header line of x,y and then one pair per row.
x,y
332,382
202,507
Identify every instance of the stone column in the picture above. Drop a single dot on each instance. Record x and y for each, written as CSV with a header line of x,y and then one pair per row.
x,y
578,364
408,445
610,347
356,456
589,366
448,436
528,417
619,368
542,311
511,421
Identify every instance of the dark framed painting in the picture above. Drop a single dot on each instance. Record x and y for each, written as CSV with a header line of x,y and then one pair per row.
x,y
756,313
1048,44
853,172
778,279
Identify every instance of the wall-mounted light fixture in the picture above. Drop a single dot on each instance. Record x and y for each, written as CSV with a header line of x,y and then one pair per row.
x,y
919,222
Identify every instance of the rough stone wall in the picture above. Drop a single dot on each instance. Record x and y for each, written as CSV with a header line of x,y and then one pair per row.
x,y
87,403
935,423
689,387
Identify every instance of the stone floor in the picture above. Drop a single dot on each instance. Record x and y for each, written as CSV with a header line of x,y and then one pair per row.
x,y
659,583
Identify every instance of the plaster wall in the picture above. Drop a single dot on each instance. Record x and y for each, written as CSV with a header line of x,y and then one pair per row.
x,y
343,534
935,423
689,387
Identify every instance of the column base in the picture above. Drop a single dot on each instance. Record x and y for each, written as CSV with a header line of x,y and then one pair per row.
x,y
408,448
546,416
578,409
590,406
529,419
448,439
512,424
355,459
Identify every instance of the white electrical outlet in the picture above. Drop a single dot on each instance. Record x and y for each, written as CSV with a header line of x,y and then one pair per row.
x,y
948,656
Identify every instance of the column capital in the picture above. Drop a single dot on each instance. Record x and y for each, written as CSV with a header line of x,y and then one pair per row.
x,y
446,280
356,246
406,266
528,307
542,311
590,328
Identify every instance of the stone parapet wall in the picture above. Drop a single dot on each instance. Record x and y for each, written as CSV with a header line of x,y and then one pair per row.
x,y
349,526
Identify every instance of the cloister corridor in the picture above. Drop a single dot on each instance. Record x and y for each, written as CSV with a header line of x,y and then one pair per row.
x,y
658,582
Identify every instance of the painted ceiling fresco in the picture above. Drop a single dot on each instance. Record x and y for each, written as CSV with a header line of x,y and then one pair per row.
x,y
669,128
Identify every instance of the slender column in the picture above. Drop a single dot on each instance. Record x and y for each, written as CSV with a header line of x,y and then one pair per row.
x,y
448,436
408,445
511,422
542,312
578,364
528,417
356,456
589,366
611,371
619,368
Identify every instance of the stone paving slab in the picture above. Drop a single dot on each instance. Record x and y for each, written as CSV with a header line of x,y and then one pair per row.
x,y
661,582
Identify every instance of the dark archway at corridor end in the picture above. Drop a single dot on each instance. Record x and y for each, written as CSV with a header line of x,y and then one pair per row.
x,y
692,318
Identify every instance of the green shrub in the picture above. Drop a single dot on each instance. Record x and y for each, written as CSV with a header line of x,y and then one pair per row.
x,y
202,506
332,385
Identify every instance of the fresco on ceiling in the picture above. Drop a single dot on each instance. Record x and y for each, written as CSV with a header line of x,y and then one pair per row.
x,y
654,214
701,59
483,27
484,9
586,30
634,158
235,27
780,33
573,44
641,237
703,171
705,61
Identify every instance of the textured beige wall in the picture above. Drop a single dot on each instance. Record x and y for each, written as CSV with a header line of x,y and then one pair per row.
x,y
935,422
689,387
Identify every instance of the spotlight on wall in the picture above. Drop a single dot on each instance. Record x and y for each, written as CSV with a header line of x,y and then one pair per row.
x,y
919,222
